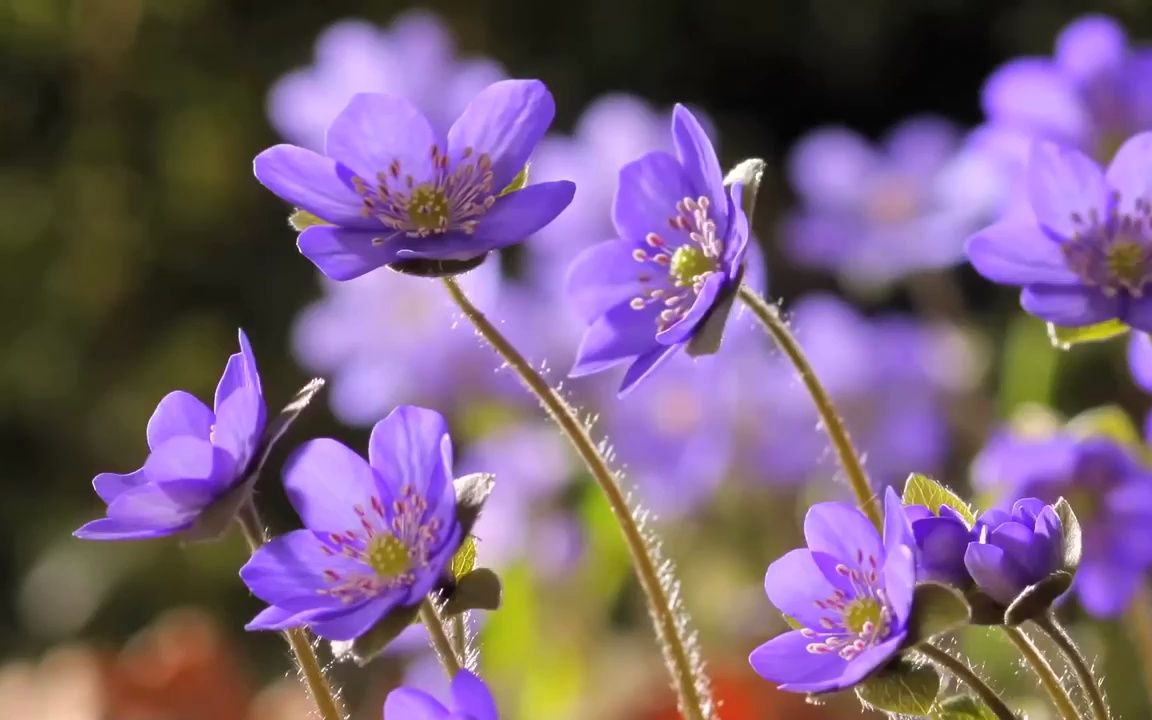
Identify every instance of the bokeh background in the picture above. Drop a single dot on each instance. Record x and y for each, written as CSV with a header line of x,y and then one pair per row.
x,y
134,241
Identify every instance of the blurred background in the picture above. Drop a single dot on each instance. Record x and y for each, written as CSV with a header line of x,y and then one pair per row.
x,y
134,241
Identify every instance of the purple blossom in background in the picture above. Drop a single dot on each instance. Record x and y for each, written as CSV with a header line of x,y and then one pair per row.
x,y
874,214
393,188
1109,489
850,591
196,455
1015,549
1086,256
889,376
942,540
471,700
379,535
1140,359
414,58
683,239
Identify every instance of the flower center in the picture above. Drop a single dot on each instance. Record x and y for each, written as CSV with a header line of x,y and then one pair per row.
x,y
388,556
1114,255
688,263
452,198
892,202
860,614
1127,261
857,619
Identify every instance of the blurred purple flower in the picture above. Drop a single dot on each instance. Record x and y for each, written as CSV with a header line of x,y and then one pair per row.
x,y
392,188
1140,359
1015,549
889,377
196,455
875,214
683,239
379,534
471,700
1109,489
414,58
941,541
850,591
1086,257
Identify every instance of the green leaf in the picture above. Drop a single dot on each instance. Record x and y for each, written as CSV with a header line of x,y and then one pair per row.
x,y
923,490
962,707
1110,421
300,220
901,688
1037,599
518,182
1028,368
1063,338
464,561
369,645
478,590
1073,540
472,492
936,609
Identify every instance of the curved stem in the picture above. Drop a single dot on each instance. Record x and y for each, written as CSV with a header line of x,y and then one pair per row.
x,y
769,316
969,677
434,624
299,639
459,624
690,682
1043,669
1141,616
1051,627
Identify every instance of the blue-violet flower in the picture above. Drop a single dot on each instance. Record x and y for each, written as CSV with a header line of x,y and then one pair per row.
x,y
471,700
1015,549
941,541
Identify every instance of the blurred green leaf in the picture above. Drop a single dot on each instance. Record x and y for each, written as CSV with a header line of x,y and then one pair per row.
x,y
1063,338
1029,366
1110,421
962,707
607,564
936,609
464,561
301,220
902,688
923,490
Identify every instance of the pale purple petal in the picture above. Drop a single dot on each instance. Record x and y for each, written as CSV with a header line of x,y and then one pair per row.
x,y
1130,174
897,526
472,698
375,130
1018,252
1032,94
682,329
1069,306
188,458
993,572
1140,359
239,426
786,661
172,505
505,121
325,481
619,334
353,622
900,581
842,531
1091,46
239,373
411,449
604,276
645,365
1138,313
698,158
831,167
312,182
646,199
857,669
517,215
795,583
109,529
1062,183
177,415
109,485
288,572
1106,588
346,254
409,704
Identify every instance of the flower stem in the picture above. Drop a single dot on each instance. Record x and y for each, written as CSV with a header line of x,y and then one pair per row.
x,y
299,639
769,316
690,682
966,674
1141,616
1076,660
459,634
434,624
1043,669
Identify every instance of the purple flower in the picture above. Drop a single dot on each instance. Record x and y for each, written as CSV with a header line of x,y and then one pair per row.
x,y
850,591
471,700
197,454
680,254
875,214
378,535
413,58
941,542
1140,360
1015,549
392,188
1086,257
1109,489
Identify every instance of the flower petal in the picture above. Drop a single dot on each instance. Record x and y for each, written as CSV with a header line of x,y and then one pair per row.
x,y
410,704
1032,95
110,529
644,365
239,426
505,121
376,130
989,567
240,372
618,335
1106,588
785,660
170,507
188,458
411,449
1130,174
346,254
1064,183
1140,359
1091,46
1069,306
698,158
646,198
179,414
1018,252
325,482
604,276
830,167
472,697
1138,312
312,182
289,572
856,669
351,623
795,583
109,485
520,214
842,531
897,523
683,328
900,581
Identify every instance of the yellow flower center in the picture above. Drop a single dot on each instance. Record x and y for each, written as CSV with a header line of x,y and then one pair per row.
x,y
688,263
862,612
389,556
428,208
1127,262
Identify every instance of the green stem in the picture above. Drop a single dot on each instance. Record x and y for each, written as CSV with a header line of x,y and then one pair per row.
x,y
969,677
460,636
434,624
769,316
298,639
1043,669
689,680
1079,664
1141,616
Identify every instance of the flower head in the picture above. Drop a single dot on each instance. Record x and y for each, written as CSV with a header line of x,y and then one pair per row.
x,y
197,454
850,591
1108,488
393,189
471,700
379,535
1086,256
941,541
1015,549
680,253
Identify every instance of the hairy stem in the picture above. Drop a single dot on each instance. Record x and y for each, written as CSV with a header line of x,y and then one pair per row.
x,y
1079,664
691,684
299,639
460,637
434,624
1140,615
969,677
769,316
1044,671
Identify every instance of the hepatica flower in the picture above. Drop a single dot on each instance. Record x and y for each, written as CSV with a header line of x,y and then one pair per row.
x,y
1086,256
679,257
392,188
379,534
851,592
471,700
196,455
1015,549
942,539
